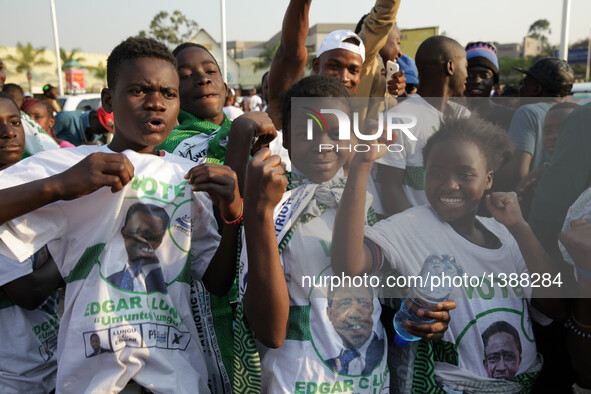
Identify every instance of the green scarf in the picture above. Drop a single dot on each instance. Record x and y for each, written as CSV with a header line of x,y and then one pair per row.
x,y
190,125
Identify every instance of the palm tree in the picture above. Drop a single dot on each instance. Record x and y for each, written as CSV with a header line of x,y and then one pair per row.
x,y
66,57
100,72
27,58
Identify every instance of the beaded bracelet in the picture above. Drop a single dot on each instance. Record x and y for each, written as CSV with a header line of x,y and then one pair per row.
x,y
576,327
572,316
237,220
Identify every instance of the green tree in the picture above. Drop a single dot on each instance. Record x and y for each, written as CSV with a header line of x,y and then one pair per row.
x,y
26,59
171,30
100,72
266,57
540,29
66,56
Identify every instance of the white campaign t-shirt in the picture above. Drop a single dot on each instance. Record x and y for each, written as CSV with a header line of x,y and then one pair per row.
x,y
29,338
410,159
309,359
148,336
408,238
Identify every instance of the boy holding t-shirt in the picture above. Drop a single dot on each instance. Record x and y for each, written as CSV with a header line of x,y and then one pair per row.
x,y
146,331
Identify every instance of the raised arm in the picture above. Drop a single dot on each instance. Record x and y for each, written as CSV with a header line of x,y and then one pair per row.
x,y
376,27
290,58
113,170
375,32
253,126
349,254
266,301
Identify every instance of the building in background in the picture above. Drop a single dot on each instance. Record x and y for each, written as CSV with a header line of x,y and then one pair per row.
x,y
243,56
233,71
530,47
249,53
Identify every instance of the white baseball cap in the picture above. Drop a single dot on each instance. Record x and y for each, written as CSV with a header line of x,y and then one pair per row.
x,y
335,40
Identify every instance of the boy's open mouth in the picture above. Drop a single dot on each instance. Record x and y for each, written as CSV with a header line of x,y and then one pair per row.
x,y
155,124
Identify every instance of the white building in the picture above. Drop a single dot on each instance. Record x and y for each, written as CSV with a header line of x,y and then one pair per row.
x,y
233,72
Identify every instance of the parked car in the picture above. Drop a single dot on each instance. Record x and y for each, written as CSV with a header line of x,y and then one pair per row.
x,y
581,90
80,102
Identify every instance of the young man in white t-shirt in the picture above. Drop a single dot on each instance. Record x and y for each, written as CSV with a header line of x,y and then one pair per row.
x,y
442,66
147,334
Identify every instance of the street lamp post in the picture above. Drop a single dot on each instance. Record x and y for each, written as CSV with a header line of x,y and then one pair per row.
x,y
56,40
588,57
224,49
565,26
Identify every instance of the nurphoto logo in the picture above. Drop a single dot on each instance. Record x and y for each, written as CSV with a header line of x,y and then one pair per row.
x,y
393,121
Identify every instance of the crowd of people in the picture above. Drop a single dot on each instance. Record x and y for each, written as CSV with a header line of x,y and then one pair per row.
x,y
178,240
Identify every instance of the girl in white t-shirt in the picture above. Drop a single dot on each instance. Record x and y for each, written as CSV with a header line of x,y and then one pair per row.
x,y
460,160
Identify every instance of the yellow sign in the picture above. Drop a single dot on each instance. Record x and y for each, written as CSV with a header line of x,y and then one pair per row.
x,y
411,39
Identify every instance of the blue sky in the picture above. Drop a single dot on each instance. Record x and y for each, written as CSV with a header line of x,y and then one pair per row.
x,y
97,26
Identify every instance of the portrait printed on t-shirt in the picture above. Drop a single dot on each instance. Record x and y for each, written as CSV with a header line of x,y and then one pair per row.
x,y
354,346
96,345
143,231
502,350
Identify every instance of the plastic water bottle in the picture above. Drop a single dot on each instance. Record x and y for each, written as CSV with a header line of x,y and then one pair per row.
x,y
423,296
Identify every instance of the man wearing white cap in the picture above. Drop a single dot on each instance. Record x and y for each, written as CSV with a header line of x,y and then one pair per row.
x,y
341,55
